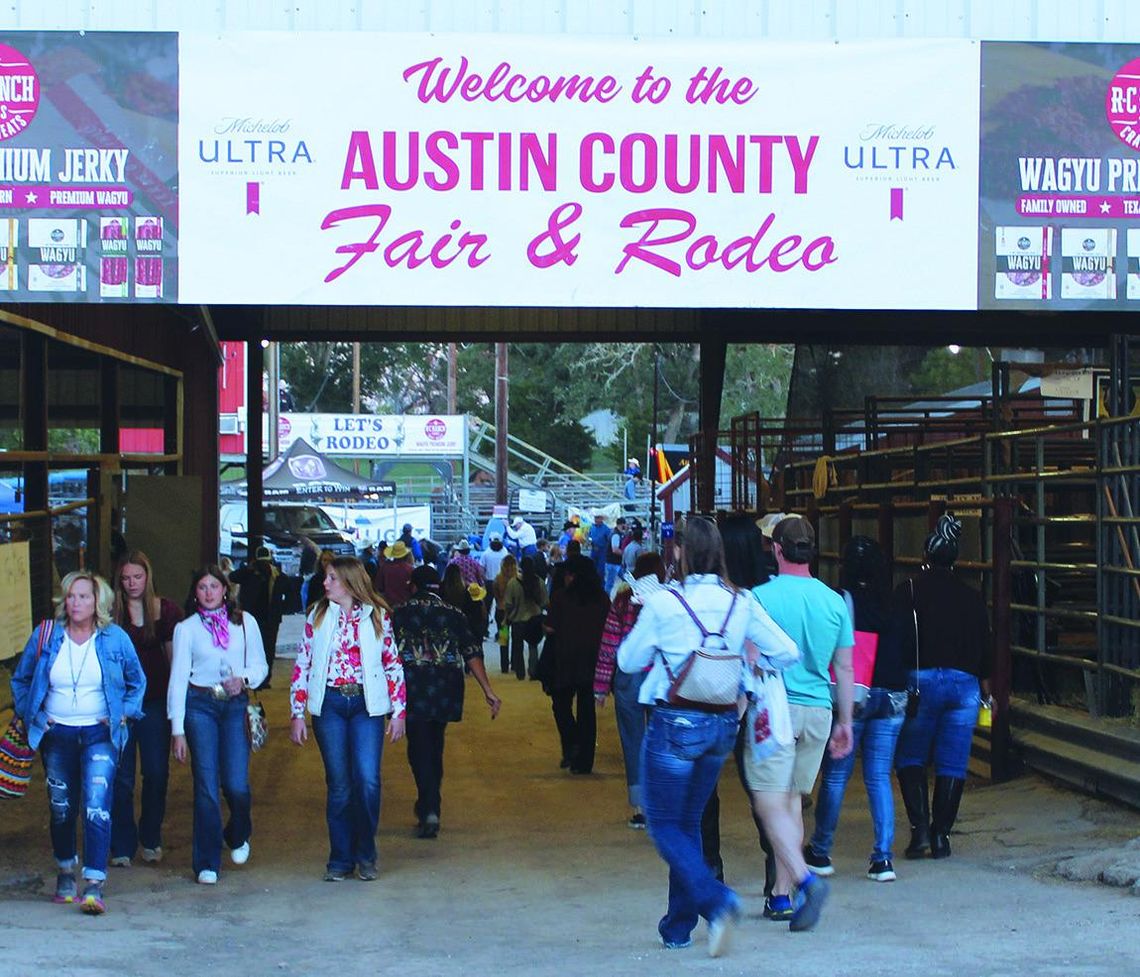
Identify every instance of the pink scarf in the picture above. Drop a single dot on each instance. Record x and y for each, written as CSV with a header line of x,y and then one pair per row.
x,y
217,622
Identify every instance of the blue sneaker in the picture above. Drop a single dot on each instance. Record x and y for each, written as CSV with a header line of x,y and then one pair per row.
x,y
778,908
813,893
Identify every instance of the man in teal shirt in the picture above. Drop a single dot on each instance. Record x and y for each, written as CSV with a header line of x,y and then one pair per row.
x,y
816,618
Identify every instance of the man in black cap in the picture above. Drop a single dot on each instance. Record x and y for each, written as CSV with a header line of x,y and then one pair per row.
x,y
815,617
411,542
436,646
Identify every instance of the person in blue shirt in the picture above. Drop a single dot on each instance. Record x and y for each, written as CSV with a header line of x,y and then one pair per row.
x,y
412,543
815,617
599,544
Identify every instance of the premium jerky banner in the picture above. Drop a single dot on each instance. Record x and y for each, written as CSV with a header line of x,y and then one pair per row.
x,y
376,169
88,144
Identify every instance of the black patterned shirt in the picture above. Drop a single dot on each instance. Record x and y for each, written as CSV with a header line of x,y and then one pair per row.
x,y
434,643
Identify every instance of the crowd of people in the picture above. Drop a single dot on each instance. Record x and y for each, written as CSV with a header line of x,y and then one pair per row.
x,y
734,649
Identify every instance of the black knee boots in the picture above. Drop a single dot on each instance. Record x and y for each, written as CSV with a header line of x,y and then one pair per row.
x,y
912,783
947,797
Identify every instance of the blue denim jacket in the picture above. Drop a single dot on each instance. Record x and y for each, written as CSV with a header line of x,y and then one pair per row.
x,y
123,681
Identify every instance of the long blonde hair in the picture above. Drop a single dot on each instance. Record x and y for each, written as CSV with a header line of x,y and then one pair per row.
x,y
354,576
508,571
121,610
104,597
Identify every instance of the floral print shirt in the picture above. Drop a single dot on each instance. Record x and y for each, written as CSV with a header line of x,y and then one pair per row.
x,y
344,660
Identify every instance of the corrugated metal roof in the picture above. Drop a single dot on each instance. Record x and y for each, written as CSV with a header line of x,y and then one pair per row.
x,y
1041,20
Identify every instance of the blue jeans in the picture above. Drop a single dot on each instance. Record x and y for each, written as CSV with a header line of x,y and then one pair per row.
x,y
79,765
631,717
944,726
876,738
682,755
219,753
150,739
351,744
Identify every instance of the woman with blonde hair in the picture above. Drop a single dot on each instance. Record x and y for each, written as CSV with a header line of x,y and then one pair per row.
x,y
149,621
349,677
75,687
508,571
218,658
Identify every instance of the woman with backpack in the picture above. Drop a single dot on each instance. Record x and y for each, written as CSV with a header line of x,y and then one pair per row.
x,y
687,740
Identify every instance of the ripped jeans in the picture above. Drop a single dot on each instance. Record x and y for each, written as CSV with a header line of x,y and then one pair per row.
x,y
79,764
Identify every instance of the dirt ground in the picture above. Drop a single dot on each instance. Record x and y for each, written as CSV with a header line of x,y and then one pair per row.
x,y
535,872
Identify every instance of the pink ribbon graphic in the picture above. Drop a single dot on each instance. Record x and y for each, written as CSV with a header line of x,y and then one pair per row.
x,y
253,198
896,203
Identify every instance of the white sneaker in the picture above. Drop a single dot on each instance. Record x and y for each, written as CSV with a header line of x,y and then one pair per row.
x,y
240,855
152,856
121,861
207,877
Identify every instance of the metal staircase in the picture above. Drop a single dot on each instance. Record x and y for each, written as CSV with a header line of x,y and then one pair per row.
x,y
530,468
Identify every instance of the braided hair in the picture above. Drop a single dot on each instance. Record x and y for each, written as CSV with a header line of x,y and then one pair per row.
x,y
941,547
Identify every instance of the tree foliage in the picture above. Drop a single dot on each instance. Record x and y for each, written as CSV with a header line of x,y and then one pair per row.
x,y
552,386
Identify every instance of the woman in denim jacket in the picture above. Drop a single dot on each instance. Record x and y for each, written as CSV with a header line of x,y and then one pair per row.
x,y
76,685
685,747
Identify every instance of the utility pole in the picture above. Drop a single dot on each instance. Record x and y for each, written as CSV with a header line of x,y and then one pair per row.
x,y
356,378
273,398
452,375
502,490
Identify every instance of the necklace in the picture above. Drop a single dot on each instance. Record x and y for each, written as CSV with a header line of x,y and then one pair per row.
x,y
75,676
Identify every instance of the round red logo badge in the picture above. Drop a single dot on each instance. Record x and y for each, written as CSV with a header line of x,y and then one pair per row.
x,y
19,92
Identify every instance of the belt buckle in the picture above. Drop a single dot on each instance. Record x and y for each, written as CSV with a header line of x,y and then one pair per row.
x,y
219,691
348,689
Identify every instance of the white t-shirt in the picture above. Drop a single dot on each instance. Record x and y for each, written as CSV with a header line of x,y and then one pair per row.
x,y
75,691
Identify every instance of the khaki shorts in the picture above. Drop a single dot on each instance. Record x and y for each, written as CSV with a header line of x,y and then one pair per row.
x,y
793,769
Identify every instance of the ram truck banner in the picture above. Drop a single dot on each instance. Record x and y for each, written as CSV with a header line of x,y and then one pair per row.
x,y
392,169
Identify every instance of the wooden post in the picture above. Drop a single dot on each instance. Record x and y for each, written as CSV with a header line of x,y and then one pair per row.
x,y
502,419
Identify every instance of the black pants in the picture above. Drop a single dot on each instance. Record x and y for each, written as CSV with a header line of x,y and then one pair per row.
x,y
425,755
578,733
521,663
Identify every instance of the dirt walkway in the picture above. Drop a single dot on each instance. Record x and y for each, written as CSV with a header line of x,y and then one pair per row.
x,y
536,873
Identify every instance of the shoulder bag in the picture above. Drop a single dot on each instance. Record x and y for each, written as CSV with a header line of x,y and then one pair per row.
x,y
256,724
16,755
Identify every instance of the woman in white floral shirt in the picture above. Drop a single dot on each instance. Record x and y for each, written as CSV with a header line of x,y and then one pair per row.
x,y
350,678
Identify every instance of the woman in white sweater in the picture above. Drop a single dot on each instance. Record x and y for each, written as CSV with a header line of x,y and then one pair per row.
x,y
350,678
218,658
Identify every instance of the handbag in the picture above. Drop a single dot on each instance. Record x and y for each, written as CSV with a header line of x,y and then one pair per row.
x,y
709,676
769,718
863,655
256,723
16,756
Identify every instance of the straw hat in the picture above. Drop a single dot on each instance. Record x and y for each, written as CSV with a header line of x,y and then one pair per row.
x,y
477,593
398,550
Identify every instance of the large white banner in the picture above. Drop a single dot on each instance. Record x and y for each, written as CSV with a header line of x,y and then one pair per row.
x,y
389,169
375,435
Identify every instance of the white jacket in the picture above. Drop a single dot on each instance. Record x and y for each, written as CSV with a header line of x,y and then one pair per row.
x,y
376,698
